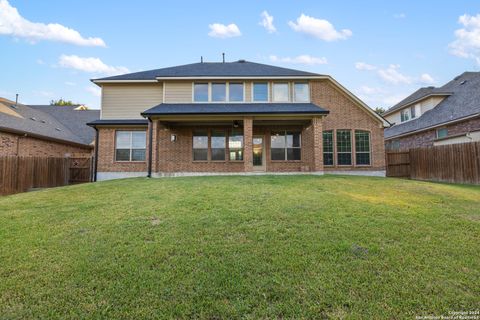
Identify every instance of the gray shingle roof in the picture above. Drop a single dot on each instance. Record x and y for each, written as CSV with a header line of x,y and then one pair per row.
x,y
420,93
233,108
239,68
61,123
464,101
115,122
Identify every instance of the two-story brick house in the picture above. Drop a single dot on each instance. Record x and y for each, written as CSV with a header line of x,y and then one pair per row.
x,y
234,117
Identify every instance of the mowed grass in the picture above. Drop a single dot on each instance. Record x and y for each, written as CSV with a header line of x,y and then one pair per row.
x,y
241,247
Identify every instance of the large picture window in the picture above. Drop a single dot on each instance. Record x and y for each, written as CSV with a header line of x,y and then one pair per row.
x,y
344,147
280,92
362,147
260,91
235,145
218,143
328,148
130,145
285,145
200,145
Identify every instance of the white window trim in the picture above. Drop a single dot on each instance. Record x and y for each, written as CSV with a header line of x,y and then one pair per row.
x,y
309,98
227,94
131,145
438,129
288,92
268,92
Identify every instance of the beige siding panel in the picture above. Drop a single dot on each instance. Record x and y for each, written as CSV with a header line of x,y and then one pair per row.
x,y
248,91
127,101
178,92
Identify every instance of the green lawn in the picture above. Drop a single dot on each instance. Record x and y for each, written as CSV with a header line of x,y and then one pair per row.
x,y
241,247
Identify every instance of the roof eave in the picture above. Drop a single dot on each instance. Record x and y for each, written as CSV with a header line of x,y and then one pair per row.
x,y
398,108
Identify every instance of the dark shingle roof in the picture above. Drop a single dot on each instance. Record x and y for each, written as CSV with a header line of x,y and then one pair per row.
x,y
464,101
233,108
239,68
74,120
419,94
66,125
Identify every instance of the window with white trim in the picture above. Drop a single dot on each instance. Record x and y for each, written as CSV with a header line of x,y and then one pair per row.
x,y
405,115
301,92
280,92
219,92
260,91
130,145
200,92
442,133
235,92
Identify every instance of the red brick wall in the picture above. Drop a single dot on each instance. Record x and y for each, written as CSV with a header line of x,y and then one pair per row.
x,y
345,113
427,138
11,144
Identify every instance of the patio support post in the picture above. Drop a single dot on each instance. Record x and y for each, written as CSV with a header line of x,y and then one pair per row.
x,y
150,147
248,144
317,165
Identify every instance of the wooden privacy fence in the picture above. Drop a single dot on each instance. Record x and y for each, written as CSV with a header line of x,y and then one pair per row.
x,y
457,163
20,174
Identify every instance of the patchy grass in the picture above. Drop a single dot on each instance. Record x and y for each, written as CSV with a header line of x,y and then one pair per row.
x,y
241,247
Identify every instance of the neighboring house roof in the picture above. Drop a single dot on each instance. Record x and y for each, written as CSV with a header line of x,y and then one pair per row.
x,y
61,123
463,102
239,68
233,108
418,95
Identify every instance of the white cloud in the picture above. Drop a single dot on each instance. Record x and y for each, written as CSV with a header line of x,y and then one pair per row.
x,y
467,39
267,22
96,91
218,30
393,76
400,15
13,24
364,66
71,84
426,78
301,59
89,64
319,28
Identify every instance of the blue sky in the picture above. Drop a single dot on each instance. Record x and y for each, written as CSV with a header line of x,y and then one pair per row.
x,y
382,51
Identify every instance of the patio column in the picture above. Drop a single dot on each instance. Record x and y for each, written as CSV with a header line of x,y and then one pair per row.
x,y
317,163
248,144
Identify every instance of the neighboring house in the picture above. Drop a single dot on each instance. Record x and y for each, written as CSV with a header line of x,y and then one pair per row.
x,y
46,131
234,117
437,116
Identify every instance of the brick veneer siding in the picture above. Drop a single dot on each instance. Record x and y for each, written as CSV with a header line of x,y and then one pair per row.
x,y
428,137
345,113
17,145
106,152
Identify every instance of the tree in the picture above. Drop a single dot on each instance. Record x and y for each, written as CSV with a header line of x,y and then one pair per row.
x,y
379,110
62,102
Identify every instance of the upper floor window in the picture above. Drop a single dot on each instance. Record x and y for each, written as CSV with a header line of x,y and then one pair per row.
x,y
130,145
219,92
235,92
442,133
200,92
280,92
412,112
260,91
301,92
405,115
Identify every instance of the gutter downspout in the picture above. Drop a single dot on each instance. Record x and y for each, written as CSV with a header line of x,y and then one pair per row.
x,y
150,147
95,164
